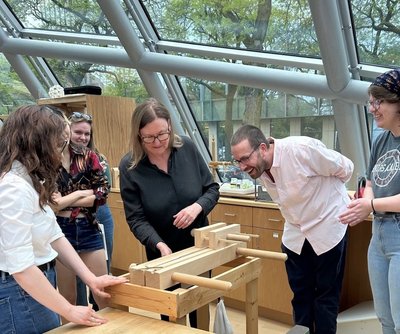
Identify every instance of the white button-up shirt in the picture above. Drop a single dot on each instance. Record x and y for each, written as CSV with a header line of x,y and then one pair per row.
x,y
26,230
310,191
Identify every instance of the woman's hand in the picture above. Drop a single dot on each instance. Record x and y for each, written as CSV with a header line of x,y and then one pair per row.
x,y
163,248
84,315
98,284
56,196
186,216
357,211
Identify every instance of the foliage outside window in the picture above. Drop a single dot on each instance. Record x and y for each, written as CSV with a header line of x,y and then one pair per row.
x,y
278,26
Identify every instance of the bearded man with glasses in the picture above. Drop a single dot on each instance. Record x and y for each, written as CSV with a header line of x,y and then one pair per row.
x,y
307,181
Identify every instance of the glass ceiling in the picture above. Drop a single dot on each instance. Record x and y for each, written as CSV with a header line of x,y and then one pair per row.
x,y
291,67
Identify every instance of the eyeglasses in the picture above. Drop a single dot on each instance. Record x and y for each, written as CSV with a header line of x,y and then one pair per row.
x,y
150,139
81,116
375,103
62,148
244,160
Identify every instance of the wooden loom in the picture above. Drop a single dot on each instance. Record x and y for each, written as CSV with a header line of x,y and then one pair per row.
x,y
215,245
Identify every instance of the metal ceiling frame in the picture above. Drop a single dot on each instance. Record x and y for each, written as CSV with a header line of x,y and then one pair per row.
x,y
159,70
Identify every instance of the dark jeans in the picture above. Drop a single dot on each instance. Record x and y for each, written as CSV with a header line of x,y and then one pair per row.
x,y
104,216
316,282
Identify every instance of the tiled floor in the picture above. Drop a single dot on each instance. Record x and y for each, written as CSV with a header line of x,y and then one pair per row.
x,y
238,321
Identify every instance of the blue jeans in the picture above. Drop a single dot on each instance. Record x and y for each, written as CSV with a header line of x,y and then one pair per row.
x,y
20,313
104,217
82,234
384,271
316,282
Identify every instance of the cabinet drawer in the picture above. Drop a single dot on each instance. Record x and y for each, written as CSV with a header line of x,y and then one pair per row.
x,y
232,214
114,200
269,240
268,218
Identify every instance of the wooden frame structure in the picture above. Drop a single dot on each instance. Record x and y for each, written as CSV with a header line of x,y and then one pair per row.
x,y
215,245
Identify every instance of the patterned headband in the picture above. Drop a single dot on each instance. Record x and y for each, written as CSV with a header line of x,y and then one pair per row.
x,y
389,80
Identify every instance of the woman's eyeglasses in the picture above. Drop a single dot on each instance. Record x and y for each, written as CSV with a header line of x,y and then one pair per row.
x,y
375,103
150,139
64,144
76,115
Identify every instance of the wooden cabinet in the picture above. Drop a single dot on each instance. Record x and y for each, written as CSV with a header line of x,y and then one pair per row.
x,y
356,286
233,214
127,249
275,294
111,120
266,221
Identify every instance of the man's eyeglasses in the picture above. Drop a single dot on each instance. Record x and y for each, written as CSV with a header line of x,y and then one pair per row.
x,y
150,139
76,115
375,103
244,160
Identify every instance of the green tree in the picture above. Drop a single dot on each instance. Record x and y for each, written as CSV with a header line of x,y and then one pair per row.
x,y
79,16
13,92
235,23
377,24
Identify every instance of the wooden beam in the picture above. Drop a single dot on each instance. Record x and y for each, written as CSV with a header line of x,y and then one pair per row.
x,y
192,298
138,271
201,234
251,306
144,298
193,265
215,236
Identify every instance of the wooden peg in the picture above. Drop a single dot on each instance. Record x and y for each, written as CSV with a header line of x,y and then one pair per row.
x,y
238,237
201,281
261,253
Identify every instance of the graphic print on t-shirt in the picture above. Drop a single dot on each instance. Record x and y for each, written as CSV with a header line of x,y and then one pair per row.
x,y
386,168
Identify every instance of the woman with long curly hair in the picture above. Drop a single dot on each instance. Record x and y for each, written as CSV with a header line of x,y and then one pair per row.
x,y
31,143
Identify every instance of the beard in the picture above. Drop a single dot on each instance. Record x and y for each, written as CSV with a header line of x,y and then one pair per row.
x,y
256,171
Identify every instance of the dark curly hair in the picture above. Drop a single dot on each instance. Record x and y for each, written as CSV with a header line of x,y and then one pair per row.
x,y
32,135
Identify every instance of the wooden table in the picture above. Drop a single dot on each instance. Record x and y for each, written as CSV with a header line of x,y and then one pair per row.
x,y
125,322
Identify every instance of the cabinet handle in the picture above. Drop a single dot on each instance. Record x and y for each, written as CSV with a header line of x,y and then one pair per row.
x,y
230,214
274,220
119,201
275,235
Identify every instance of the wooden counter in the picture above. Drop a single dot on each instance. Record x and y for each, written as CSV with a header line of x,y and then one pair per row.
x,y
125,322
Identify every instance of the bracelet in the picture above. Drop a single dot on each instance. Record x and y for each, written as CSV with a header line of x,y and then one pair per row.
x,y
372,206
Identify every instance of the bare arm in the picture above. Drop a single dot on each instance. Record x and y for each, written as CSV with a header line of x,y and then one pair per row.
x,y
359,209
82,198
69,258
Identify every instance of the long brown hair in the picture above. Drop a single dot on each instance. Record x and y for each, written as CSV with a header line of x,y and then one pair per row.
x,y
144,114
32,135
